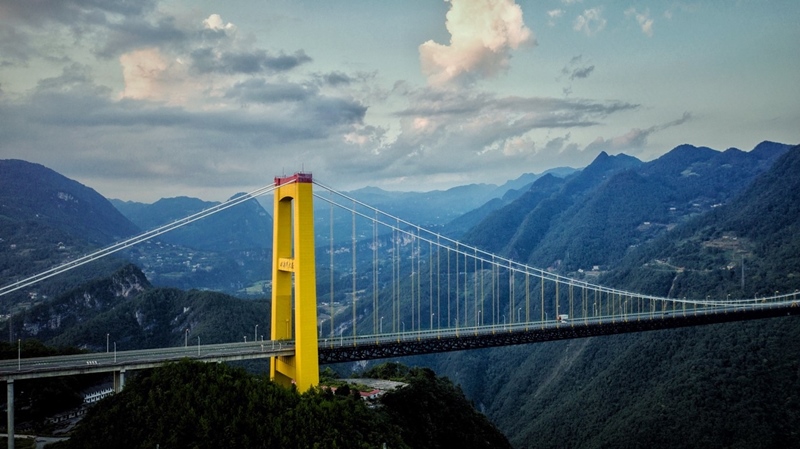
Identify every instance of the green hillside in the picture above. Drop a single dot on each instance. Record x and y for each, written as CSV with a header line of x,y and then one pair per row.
x,y
126,309
617,203
47,219
729,385
244,227
197,405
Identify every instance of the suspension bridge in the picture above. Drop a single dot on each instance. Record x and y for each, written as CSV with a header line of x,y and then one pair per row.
x,y
393,289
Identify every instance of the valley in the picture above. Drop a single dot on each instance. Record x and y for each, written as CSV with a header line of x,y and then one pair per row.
x,y
695,222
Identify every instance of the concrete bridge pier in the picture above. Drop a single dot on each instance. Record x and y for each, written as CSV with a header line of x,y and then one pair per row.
x,y
10,410
119,380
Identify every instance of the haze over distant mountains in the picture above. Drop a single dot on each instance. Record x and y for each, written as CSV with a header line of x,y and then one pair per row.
x,y
680,225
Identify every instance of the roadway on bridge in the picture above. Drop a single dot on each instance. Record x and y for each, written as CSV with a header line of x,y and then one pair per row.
x,y
94,362
376,346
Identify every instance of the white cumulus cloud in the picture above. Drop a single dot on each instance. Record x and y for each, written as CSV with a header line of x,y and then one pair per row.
x,y
215,22
590,22
553,15
644,20
482,35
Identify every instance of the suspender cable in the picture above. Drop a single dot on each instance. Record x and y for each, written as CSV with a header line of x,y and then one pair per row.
x,y
483,309
458,275
544,314
430,282
557,300
333,311
494,312
511,308
375,275
466,290
419,284
449,323
571,311
475,287
413,284
438,285
355,298
527,299
394,279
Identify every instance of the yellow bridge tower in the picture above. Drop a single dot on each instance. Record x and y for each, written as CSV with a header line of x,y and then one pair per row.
x,y
293,260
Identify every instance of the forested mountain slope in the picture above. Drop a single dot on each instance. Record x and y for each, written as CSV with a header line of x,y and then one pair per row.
x,y
517,227
47,219
136,315
617,203
33,193
759,229
209,405
727,385
247,226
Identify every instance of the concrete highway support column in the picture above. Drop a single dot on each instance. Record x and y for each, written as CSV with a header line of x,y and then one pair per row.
x,y
10,410
119,380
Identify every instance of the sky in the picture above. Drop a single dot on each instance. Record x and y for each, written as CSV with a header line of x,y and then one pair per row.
x,y
162,98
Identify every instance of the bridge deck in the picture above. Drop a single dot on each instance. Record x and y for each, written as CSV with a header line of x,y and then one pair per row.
x,y
428,342
369,347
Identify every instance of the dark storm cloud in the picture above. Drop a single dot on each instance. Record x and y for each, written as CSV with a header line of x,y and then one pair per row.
x,y
208,60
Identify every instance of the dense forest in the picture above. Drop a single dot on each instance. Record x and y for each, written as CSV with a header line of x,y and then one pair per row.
x,y
726,385
191,404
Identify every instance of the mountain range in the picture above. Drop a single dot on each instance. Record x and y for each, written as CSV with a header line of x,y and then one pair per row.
x,y
727,385
694,222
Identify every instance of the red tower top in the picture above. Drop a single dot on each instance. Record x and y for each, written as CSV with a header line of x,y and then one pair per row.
x,y
297,177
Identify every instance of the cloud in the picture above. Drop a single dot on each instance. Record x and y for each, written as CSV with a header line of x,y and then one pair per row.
x,y
15,48
78,128
336,78
207,60
553,15
203,106
590,22
634,140
111,27
467,134
201,66
482,35
575,69
215,22
74,13
644,20
259,90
